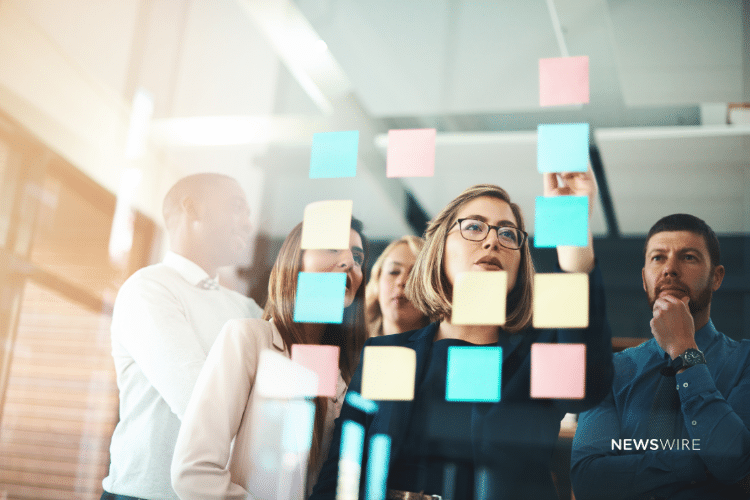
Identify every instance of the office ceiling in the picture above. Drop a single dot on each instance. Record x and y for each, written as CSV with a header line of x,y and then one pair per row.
x,y
274,72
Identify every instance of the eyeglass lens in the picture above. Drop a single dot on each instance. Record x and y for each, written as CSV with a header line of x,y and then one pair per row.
x,y
476,230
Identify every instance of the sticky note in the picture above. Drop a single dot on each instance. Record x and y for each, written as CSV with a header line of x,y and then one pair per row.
x,y
473,374
279,377
280,438
562,147
561,300
411,153
360,403
561,220
377,467
350,460
320,298
334,154
388,373
558,371
299,417
326,225
479,298
324,361
563,80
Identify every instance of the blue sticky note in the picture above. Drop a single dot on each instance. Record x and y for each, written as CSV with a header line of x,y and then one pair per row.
x,y
320,298
473,374
334,154
352,442
377,467
563,147
298,426
561,220
356,400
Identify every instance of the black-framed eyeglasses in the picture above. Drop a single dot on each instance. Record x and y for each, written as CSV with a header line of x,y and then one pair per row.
x,y
477,230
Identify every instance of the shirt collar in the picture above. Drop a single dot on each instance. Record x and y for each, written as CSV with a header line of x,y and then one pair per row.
x,y
189,270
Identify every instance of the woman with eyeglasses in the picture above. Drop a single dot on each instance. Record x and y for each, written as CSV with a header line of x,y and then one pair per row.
x,y
213,458
481,449
387,309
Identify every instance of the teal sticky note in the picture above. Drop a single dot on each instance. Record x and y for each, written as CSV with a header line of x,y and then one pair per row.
x,y
473,374
562,147
334,154
561,220
320,298
360,403
377,467
298,426
352,442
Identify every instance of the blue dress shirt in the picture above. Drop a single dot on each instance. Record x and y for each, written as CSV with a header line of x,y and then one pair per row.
x,y
713,448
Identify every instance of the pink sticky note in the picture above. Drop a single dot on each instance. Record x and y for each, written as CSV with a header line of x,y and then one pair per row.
x,y
563,80
558,371
324,361
411,153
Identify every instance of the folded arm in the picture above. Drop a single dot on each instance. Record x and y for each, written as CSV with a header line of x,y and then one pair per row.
x,y
600,472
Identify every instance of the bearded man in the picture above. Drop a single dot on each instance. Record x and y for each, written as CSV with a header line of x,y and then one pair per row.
x,y
677,421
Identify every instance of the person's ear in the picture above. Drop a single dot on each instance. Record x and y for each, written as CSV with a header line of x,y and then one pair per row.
x,y
189,208
643,277
717,278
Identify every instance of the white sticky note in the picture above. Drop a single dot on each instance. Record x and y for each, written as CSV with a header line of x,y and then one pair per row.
x,y
326,225
561,300
479,298
388,373
281,378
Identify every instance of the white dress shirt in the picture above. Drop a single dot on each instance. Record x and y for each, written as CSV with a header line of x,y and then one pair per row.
x,y
214,458
164,323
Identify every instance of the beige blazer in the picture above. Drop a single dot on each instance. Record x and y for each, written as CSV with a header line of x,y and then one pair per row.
x,y
213,457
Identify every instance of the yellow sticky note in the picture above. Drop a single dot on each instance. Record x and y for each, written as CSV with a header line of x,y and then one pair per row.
x,y
561,300
388,373
479,298
326,225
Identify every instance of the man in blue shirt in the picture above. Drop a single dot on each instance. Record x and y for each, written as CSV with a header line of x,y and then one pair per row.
x,y
633,445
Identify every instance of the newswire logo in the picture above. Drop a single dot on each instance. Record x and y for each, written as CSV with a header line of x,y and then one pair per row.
x,y
656,444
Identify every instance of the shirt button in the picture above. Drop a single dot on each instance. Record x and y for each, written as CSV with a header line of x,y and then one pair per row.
x,y
695,422
678,387
685,384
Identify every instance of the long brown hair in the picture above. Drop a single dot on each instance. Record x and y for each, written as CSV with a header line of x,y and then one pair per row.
x,y
349,336
428,287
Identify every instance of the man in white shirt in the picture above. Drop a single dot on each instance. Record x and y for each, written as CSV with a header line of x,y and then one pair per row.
x,y
166,317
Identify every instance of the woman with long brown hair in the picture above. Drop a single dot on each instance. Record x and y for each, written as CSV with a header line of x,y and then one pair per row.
x,y
212,457
487,447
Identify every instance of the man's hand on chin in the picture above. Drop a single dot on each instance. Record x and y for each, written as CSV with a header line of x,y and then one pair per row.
x,y
672,325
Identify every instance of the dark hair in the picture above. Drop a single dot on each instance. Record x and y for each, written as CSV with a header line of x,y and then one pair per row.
x,y
687,222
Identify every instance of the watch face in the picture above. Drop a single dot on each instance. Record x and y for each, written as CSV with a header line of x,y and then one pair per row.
x,y
693,357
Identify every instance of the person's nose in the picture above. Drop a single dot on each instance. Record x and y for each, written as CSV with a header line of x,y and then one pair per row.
x,y
492,240
346,260
401,279
670,266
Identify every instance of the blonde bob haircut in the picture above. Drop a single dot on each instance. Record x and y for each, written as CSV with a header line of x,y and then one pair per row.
x,y
428,287
373,313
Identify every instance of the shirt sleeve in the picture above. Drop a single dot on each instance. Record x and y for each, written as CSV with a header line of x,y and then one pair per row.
x,y
214,414
599,472
150,323
720,425
597,337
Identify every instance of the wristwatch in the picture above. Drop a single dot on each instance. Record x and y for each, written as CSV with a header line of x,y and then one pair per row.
x,y
689,358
